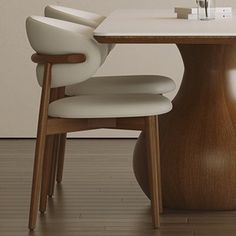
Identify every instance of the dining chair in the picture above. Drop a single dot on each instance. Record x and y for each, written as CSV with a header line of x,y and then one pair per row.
x,y
137,84
81,17
74,15
109,84
155,84
66,54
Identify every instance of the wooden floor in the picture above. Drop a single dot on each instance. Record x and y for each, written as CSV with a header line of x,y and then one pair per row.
x,y
98,197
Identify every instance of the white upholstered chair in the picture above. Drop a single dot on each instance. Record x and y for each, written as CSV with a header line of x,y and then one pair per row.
x,y
81,17
151,84
74,15
67,54
135,84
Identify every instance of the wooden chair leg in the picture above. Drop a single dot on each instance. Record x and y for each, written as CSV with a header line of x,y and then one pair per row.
x,y
151,142
56,142
46,174
159,167
40,147
61,157
36,185
59,148
47,187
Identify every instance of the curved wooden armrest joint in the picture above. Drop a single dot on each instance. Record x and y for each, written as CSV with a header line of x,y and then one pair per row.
x,y
58,59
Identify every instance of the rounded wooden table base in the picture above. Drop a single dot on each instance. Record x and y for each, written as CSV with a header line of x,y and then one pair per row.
x,y
198,140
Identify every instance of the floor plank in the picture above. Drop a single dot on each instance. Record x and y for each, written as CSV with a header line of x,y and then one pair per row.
x,y
99,196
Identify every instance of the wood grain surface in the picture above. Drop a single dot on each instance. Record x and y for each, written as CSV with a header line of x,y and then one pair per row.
x,y
166,39
40,145
99,196
198,136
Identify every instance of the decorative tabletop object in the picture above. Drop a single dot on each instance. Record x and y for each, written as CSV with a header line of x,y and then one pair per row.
x,y
206,9
203,12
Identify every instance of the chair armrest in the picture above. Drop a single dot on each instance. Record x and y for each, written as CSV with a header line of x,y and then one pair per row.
x,y
58,59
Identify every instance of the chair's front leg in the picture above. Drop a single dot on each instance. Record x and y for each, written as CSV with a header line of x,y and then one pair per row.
x,y
40,146
37,177
46,173
152,156
159,166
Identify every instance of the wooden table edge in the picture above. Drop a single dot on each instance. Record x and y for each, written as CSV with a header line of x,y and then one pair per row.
x,y
166,39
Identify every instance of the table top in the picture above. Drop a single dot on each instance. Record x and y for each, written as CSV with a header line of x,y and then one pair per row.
x,y
162,26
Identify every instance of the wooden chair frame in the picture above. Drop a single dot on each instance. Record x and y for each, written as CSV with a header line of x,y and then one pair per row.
x,y
51,139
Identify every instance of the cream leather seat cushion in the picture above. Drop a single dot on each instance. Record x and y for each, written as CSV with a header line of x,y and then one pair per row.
x,y
110,106
139,84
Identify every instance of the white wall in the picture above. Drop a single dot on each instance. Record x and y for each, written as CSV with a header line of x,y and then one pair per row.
x,y
19,91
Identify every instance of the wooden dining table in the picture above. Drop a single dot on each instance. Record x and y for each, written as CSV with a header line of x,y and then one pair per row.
x,y
198,139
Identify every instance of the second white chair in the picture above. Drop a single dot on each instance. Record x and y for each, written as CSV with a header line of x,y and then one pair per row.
x,y
134,84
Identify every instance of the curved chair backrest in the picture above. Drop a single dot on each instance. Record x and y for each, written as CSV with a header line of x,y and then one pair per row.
x,y
73,15
56,37
76,16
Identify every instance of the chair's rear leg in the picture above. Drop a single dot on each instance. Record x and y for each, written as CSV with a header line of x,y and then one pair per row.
x,y
61,158
59,149
40,147
56,143
151,142
46,179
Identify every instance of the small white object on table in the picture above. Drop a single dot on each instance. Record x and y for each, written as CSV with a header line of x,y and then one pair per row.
x,y
191,13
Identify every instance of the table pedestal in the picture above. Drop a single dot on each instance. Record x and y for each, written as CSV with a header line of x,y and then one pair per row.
x,y
198,139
